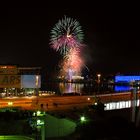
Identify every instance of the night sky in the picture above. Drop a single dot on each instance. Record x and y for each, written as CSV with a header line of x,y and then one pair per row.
x,y
111,35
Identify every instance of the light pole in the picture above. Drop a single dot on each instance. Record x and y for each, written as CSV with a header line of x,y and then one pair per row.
x,y
98,81
37,88
37,84
99,78
40,123
134,98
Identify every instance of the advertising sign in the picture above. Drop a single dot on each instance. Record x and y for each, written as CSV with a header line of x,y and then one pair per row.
x,y
8,70
10,81
30,81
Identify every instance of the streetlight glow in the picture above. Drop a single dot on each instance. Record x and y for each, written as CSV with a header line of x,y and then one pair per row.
x,y
82,119
40,122
38,113
99,78
88,99
95,103
10,103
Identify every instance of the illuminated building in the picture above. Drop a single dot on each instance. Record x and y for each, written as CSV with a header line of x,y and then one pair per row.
x,y
19,80
126,79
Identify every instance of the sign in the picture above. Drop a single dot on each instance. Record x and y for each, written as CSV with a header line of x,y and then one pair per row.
x,y
10,81
30,81
8,70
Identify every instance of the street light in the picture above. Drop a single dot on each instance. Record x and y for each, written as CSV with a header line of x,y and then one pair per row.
x,y
38,113
99,78
82,119
40,122
37,84
10,103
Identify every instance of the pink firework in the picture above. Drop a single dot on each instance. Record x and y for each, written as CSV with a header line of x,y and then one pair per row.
x,y
66,34
64,44
74,60
67,39
73,63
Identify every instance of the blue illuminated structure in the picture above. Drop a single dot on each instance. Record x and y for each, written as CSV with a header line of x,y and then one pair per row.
x,y
122,88
126,79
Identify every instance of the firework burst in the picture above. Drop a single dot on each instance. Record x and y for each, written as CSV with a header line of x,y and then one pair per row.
x,y
74,60
66,34
72,63
67,38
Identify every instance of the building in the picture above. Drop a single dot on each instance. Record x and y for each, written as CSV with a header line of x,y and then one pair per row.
x,y
126,79
19,81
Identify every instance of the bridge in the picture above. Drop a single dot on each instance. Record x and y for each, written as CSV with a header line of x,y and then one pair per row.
x,y
61,102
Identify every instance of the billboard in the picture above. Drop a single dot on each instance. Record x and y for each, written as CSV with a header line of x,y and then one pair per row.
x,y
30,81
10,81
8,70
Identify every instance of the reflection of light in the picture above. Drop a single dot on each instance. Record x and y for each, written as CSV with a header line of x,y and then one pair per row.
x,y
122,88
88,99
71,87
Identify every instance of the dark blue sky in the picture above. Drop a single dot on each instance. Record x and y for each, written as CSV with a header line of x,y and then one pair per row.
x,y
111,36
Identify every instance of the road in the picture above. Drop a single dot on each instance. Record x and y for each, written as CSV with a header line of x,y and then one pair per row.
x,y
45,103
60,102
